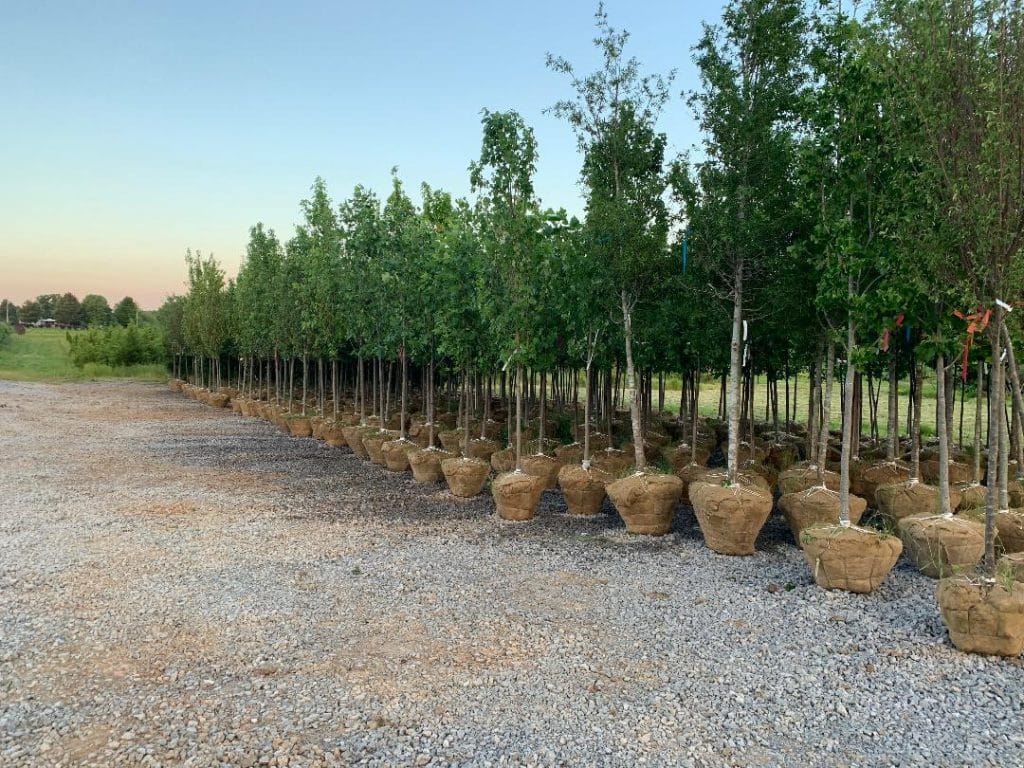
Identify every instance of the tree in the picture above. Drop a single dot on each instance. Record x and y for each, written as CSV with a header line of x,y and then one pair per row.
x,y
96,310
8,312
171,320
751,77
503,177
960,66
68,310
30,312
126,311
613,113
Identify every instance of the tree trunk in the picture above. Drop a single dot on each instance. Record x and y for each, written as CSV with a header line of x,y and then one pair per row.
x,y
915,462
305,378
634,405
520,384
591,342
1018,399
813,425
431,408
892,420
405,392
826,412
995,429
735,371
543,410
848,430
942,427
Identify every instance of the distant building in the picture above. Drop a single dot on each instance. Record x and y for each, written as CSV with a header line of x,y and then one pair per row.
x,y
45,322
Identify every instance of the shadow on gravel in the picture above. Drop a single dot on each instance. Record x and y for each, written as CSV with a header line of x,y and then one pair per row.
x,y
330,483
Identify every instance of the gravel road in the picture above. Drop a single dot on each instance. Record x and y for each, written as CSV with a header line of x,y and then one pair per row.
x,y
184,586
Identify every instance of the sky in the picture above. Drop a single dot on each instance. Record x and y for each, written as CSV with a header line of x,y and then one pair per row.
x,y
131,131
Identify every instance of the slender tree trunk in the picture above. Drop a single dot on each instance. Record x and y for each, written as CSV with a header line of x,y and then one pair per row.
x,y
977,422
362,392
591,343
431,408
892,421
848,431
543,411
735,371
634,405
826,413
465,415
813,424
995,429
519,385
942,427
405,393
1018,399
305,378
915,466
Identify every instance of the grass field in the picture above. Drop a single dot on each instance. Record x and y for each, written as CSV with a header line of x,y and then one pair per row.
x,y
41,354
710,391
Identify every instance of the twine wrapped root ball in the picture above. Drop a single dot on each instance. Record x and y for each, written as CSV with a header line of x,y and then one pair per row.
x,y
517,494
646,502
584,489
983,617
730,516
426,464
849,558
465,477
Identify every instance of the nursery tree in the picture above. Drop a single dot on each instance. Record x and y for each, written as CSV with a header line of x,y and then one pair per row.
x,y
751,73
961,67
406,248
360,294
614,113
503,178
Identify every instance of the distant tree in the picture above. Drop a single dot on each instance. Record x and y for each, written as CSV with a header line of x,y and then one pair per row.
x,y
126,311
47,304
96,310
68,310
30,312
8,312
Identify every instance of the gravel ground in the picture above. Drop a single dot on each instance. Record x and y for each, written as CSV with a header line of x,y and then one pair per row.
x,y
184,586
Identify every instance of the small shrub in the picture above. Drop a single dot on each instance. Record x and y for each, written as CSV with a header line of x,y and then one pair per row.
x,y
116,347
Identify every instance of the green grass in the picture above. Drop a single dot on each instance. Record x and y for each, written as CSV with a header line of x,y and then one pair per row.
x,y
709,404
41,354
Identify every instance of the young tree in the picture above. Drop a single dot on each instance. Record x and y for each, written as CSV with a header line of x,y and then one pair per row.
x,y
509,210
614,114
752,75
960,66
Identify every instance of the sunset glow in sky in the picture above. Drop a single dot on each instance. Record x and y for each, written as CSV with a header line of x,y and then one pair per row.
x,y
132,131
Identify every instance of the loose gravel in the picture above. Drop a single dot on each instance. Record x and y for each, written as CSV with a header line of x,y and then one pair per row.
x,y
185,586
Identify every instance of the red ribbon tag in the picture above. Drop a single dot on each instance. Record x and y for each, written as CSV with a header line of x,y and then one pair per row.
x,y
977,321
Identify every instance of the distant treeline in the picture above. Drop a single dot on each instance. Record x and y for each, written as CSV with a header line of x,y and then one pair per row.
x,y
92,311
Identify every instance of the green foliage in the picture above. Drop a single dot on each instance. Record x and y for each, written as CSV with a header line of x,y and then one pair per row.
x,y
8,312
205,314
5,333
116,346
96,311
126,311
68,310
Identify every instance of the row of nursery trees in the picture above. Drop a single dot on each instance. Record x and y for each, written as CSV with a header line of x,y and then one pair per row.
x,y
855,210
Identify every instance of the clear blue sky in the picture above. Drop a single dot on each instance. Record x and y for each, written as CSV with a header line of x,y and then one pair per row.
x,y
132,130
